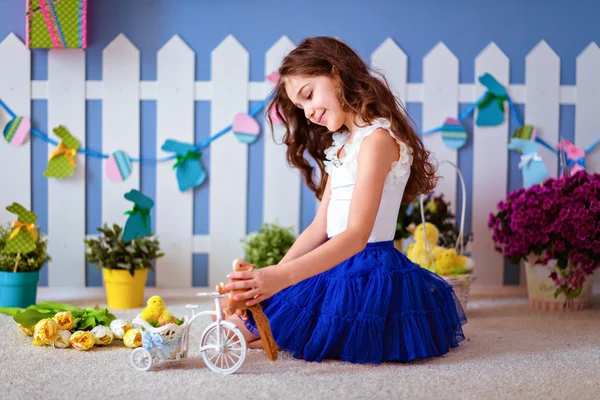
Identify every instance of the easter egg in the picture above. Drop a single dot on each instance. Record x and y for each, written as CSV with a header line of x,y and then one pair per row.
x,y
245,128
453,134
17,131
118,166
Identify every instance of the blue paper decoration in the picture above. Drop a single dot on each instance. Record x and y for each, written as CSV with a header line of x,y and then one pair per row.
x,y
139,223
491,108
532,166
190,172
453,133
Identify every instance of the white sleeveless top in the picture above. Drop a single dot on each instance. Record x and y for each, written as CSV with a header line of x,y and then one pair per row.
x,y
342,173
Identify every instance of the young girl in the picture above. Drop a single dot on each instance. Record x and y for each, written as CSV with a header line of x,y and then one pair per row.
x,y
343,291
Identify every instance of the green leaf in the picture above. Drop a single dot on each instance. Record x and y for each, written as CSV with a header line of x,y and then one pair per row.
x,y
56,306
29,318
11,311
575,293
87,323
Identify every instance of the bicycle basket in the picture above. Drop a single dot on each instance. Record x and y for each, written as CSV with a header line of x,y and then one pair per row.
x,y
168,338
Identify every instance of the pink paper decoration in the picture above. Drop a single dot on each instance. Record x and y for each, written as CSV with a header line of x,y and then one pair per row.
x,y
574,153
245,128
273,77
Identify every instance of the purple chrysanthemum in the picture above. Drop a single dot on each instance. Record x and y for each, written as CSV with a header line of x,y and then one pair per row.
x,y
556,220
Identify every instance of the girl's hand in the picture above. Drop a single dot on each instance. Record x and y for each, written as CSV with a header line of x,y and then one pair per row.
x,y
263,283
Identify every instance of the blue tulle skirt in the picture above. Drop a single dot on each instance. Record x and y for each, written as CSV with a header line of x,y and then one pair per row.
x,y
376,306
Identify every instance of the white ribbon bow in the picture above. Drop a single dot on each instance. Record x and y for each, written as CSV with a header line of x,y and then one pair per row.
x,y
525,159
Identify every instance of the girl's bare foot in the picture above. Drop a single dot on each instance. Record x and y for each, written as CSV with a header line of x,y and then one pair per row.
x,y
256,344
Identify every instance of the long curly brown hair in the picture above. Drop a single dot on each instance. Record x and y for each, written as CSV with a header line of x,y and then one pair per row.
x,y
363,92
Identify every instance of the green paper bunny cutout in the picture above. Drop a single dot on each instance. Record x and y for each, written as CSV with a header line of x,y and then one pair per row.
x,y
24,235
138,224
62,160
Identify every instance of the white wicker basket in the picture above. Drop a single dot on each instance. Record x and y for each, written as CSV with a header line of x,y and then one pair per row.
x,y
460,283
173,335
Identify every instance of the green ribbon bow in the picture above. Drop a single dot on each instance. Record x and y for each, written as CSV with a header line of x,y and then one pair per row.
x,y
489,97
144,212
190,155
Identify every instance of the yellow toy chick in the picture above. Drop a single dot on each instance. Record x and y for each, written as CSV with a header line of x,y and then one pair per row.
x,y
417,252
446,262
155,307
166,318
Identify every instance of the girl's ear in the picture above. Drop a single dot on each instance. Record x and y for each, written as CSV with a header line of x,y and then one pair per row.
x,y
334,72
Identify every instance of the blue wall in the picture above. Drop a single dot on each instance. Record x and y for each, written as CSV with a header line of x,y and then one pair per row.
x,y
465,26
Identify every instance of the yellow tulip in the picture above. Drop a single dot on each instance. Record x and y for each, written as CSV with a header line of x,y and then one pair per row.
x,y
119,327
132,338
64,320
102,335
82,340
27,331
46,330
37,340
62,340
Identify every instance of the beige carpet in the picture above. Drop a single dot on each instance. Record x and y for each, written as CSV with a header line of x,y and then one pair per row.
x,y
512,352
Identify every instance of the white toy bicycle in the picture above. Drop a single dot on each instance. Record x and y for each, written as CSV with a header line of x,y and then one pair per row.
x,y
222,344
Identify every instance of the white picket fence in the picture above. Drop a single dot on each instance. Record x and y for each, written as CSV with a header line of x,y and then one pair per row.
x,y
229,92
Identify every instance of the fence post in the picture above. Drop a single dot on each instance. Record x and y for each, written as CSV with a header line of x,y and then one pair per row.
x,y
175,120
587,123
66,197
440,88
230,68
542,107
390,60
120,123
490,173
15,91
282,183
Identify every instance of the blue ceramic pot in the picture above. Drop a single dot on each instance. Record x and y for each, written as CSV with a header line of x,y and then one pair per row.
x,y
18,289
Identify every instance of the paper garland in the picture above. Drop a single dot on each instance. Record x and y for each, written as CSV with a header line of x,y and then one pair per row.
x,y
245,128
17,130
453,133
118,166
532,166
491,108
575,155
24,234
190,172
62,160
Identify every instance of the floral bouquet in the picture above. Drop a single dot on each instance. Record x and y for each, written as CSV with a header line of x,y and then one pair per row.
x,y
558,219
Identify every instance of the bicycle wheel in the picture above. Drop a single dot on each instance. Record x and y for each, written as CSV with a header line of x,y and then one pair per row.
x,y
141,359
231,351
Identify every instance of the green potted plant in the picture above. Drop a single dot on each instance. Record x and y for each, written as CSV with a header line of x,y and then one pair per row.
x,y
124,264
22,256
268,245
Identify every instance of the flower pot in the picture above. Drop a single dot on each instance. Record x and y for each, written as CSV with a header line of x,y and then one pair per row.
x,y
18,289
124,291
541,288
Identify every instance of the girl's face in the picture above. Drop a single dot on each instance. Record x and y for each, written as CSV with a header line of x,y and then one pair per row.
x,y
317,96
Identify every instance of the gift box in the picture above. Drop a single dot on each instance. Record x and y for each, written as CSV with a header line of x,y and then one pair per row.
x,y
56,24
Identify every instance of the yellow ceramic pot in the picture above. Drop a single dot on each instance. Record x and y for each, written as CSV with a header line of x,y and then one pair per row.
x,y
124,291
